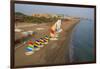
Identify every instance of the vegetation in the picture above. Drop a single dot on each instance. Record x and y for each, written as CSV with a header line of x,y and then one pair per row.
x,y
19,14
33,19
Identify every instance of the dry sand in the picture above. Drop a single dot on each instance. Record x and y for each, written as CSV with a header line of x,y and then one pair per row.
x,y
56,52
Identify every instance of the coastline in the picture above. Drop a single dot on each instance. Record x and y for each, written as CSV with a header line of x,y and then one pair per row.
x,y
57,52
83,44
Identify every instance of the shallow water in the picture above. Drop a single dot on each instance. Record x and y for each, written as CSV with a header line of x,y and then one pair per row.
x,y
82,44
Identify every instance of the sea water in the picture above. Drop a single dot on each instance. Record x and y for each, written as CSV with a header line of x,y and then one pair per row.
x,y
82,42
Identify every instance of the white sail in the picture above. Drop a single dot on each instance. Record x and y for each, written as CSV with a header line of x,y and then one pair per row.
x,y
55,30
58,26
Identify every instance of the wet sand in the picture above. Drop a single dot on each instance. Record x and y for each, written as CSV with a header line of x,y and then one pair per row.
x,y
56,52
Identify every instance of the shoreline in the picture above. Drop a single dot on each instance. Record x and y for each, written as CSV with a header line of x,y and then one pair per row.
x,y
54,53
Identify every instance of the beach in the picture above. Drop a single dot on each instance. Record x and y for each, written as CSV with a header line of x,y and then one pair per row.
x,y
56,52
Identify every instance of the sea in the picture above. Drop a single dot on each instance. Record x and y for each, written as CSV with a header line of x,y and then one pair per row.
x,y
82,45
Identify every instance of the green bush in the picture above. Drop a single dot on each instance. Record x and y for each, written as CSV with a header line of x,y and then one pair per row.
x,y
34,19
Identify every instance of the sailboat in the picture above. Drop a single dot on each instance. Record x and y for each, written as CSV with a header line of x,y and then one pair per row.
x,y
55,30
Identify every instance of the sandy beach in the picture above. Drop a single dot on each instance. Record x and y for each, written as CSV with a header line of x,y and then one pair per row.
x,y
56,52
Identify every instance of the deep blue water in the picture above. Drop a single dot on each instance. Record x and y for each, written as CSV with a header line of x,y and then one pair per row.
x,y
83,41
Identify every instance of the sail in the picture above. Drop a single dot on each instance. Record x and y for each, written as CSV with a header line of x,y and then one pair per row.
x,y
58,26
55,29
